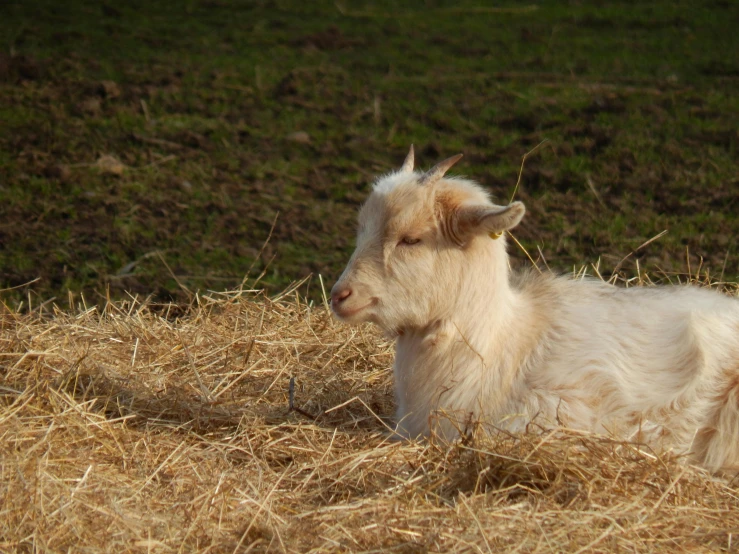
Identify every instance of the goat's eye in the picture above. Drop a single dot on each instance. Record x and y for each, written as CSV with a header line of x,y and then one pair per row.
x,y
407,241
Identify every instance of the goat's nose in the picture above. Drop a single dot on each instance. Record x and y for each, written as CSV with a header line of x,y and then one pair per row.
x,y
338,295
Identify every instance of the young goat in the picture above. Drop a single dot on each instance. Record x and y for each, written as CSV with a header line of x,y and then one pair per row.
x,y
655,364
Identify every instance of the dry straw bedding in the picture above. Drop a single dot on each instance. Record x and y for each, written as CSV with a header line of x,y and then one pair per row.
x,y
127,429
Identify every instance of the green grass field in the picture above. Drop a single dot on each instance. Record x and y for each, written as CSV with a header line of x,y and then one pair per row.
x,y
223,118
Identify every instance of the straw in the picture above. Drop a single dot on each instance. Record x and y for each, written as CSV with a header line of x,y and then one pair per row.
x,y
124,430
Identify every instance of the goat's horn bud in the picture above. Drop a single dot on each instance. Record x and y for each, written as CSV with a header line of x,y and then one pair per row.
x,y
438,171
407,166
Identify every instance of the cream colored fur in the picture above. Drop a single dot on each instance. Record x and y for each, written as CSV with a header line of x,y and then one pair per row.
x,y
655,364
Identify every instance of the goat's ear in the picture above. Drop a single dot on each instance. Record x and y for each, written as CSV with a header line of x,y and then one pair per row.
x,y
478,220
502,218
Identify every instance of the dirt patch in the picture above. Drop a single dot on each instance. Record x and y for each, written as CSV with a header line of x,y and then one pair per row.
x,y
15,69
331,38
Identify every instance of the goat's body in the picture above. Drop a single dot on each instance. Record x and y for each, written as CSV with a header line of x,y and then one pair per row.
x,y
653,364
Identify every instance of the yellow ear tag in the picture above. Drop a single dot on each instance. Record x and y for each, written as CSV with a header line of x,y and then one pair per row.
x,y
495,235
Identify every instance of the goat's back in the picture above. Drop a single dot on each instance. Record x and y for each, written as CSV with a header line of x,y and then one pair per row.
x,y
646,357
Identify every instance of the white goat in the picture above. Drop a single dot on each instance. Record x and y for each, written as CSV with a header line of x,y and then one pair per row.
x,y
655,364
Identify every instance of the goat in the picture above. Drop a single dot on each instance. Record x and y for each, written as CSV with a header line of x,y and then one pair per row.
x,y
477,342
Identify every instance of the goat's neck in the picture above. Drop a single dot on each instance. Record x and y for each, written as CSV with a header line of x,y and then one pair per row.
x,y
482,305
468,349
485,300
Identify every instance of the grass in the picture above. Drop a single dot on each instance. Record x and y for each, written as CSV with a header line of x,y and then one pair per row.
x,y
227,115
135,427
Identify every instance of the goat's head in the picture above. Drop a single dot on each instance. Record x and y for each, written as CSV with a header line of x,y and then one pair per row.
x,y
420,235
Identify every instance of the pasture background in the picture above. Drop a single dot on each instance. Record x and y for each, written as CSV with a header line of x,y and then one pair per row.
x,y
224,114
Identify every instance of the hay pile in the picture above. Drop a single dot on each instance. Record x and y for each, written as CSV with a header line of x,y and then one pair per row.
x,y
127,429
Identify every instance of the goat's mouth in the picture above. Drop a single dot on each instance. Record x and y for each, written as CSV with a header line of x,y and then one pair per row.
x,y
350,314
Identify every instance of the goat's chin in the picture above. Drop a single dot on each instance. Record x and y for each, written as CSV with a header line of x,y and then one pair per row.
x,y
355,315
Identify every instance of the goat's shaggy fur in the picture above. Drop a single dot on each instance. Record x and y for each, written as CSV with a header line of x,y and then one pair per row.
x,y
656,364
